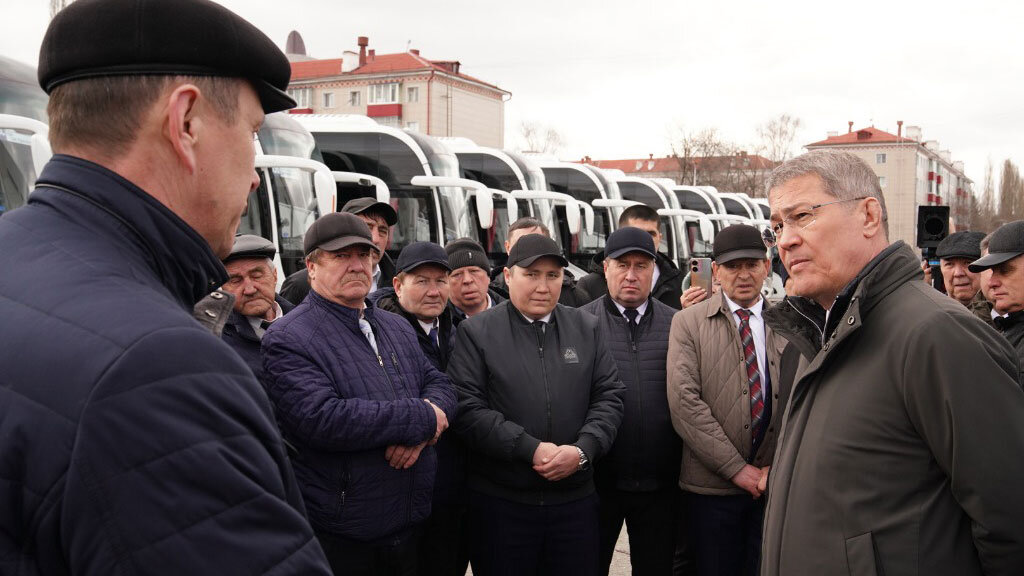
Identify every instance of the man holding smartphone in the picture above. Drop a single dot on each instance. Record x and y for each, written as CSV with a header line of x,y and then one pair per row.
x,y
726,396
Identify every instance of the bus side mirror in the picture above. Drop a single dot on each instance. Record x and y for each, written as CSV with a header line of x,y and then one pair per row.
x,y
484,208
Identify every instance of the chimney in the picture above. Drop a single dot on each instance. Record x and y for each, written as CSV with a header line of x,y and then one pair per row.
x,y
371,55
363,42
650,156
850,128
415,51
899,128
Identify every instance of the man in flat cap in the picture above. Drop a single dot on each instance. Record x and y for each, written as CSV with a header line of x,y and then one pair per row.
x,y
637,482
955,254
901,450
470,278
1005,282
360,402
540,400
134,439
252,280
726,396
419,293
379,217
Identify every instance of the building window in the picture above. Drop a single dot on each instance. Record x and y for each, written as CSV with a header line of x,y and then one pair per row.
x,y
881,180
303,97
413,94
413,126
328,99
355,98
384,93
879,158
392,121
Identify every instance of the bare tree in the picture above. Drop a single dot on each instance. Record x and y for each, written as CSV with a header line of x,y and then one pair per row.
x,y
539,137
982,208
1011,193
57,6
778,137
694,151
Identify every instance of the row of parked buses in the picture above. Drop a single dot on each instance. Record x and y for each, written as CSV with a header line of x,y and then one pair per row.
x,y
442,188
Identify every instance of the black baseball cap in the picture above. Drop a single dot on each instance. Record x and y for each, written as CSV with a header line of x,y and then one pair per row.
x,y
629,239
420,253
251,246
533,247
1007,242
95,38
965,244
367,204
739,241
337,230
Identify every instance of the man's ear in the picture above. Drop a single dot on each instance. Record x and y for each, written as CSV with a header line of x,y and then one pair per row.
x,y
873,218
507,272
714,271
183,126
397,285
604,265
310,268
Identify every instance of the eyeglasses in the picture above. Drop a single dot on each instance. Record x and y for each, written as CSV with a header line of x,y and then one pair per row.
x,y
800,217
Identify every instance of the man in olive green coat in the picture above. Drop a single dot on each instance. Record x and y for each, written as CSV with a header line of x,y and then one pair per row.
x,y
902,448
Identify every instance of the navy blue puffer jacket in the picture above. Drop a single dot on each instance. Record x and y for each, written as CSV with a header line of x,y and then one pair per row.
x,y
132,440
342,406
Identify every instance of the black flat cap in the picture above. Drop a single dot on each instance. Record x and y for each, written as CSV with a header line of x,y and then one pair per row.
x,y
92,38
420,253
739,241
1007,242
964,244
533,247
337,230
360,205
251,246
464,252
629,239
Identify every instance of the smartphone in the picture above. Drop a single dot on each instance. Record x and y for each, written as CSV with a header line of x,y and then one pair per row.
x,y
700,273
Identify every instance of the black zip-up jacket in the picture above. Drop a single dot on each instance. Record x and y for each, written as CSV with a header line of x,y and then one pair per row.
x,y
647,450
1011,327
520,384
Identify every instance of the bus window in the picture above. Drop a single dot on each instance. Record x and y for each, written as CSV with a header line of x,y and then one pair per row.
x,y
17,172
296,211
256,218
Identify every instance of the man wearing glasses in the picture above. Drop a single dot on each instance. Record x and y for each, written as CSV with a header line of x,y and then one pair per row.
x,y
902,448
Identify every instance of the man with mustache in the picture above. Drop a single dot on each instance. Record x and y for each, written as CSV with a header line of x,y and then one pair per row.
x,y
726,396
360,402
252,278
955,254
539,400
902,447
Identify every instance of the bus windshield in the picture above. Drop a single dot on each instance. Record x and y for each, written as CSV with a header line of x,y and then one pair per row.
x,y
643,194
581,247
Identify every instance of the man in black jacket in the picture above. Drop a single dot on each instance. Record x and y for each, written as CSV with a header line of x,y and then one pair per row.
x,y
470,294
252,279
420,295
636,482
380,217
132,440
572,293
1005,282
539,400
667,283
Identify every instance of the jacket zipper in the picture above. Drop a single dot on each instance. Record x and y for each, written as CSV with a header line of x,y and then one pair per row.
x,y
380,362
639,387
547,393
813,323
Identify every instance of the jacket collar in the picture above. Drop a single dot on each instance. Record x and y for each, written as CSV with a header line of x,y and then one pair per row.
x,y
801,318
612,309
349,316
387,300
242,325
1010,321
179,257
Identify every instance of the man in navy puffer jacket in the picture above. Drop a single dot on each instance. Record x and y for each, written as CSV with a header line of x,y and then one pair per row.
x,y
132,440
360,402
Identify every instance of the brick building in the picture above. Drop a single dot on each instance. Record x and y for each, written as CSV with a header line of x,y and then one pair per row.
x,y
403,90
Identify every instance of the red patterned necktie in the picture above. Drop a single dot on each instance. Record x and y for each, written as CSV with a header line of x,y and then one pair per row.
x,y
753,375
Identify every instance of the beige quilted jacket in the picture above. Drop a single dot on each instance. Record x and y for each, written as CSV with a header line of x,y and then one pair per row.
x,y
709,397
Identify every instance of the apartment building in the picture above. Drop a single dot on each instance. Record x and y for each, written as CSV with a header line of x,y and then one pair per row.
x,y
403,90
911,171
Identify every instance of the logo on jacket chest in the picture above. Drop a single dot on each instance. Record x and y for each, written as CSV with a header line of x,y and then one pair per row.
x,y
570,356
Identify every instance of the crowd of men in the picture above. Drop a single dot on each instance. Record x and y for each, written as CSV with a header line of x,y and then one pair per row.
x,y
431,412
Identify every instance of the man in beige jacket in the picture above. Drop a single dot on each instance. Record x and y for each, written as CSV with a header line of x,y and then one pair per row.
x,y
726,400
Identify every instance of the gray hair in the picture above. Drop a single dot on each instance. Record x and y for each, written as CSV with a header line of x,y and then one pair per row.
x,y
985,241
846,177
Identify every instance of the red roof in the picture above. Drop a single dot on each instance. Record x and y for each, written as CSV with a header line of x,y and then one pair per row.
x,y
671,163
379,64
870,135
316,68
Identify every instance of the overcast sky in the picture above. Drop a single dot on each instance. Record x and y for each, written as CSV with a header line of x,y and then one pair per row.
x,y
615,78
